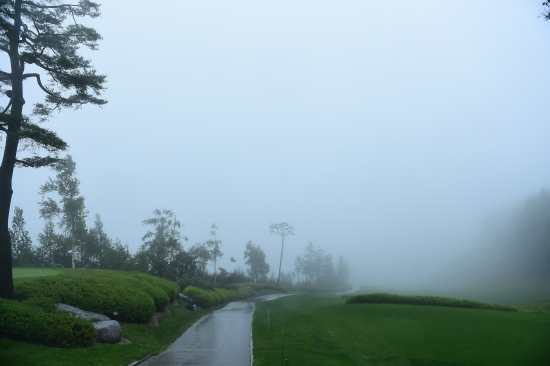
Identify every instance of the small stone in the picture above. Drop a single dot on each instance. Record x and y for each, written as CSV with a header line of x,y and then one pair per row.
x,y
108,331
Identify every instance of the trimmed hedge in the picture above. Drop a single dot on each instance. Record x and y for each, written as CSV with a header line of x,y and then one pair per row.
x,y
171,288
383,298
159,296
186,281
207,299
22,322
108,295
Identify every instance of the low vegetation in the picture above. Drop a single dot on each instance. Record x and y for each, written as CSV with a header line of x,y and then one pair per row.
x,y
541,306
383,298
208,298
316,329
119,296
143,339
24,322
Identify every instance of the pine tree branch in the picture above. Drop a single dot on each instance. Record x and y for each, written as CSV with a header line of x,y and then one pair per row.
x,y
37,162
7,107
37,76
4,75
32,3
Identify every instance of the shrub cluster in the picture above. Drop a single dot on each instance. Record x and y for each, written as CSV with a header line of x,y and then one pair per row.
x,y
159,296
23,322
207,299
130,297
171,288
383,298
186,281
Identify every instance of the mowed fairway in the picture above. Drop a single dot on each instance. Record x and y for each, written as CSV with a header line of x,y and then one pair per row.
x,y
322,330
25,274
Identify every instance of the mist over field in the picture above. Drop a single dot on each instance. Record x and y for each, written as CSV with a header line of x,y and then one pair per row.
x,y
410,138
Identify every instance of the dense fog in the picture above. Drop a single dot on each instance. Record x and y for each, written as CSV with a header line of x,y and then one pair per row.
x,y
409,138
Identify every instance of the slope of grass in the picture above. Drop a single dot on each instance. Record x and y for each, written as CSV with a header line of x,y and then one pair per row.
x,y
321,330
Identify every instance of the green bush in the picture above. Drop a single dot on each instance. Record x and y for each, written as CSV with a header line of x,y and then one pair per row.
x,y
171,288
160,297
382,298
231,287
107,295
207,299
45,303
201,297
22,322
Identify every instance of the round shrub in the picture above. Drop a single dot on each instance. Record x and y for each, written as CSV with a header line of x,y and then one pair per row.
x,y
171,288
159,296
21,322
201,297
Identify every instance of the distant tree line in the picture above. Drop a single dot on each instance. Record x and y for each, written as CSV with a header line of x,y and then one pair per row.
x,y
318,268
66,241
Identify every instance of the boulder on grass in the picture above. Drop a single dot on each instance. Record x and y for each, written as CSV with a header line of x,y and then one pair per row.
x,y
108,331
88,315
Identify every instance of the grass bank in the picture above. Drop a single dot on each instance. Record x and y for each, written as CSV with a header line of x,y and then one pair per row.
x,y
322,330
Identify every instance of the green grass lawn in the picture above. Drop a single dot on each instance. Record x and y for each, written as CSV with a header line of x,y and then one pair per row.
x,y
23,274
322,330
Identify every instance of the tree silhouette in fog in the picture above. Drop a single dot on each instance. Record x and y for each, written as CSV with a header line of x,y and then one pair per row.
x,y
283,229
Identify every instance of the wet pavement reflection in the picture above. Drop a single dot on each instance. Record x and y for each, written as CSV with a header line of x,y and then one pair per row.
x,y
221,338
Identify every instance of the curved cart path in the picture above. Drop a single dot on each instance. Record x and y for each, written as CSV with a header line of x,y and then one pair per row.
x,y
221,338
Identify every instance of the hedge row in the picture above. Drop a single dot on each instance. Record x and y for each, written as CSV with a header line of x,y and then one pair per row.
x,y
186,281
207,299
23,322
171,288
129,297
383,298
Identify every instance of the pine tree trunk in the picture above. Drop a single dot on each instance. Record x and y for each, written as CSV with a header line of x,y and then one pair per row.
x,y
8,163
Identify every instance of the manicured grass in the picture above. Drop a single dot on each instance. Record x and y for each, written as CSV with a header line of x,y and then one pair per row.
x,y
33,272
321,330
145,340
24,274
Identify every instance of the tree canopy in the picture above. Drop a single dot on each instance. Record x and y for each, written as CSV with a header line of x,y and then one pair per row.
x,y
255,260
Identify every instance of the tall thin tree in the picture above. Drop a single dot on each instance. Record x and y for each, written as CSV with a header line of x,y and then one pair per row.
x,y
214,248
282,229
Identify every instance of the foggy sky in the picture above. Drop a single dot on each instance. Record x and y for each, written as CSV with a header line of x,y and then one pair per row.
x,y
382,131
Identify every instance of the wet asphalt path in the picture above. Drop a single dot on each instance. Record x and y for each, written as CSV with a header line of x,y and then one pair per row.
x,y
221,338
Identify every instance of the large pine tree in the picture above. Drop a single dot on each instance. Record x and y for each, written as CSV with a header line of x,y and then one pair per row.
x,y
41,39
